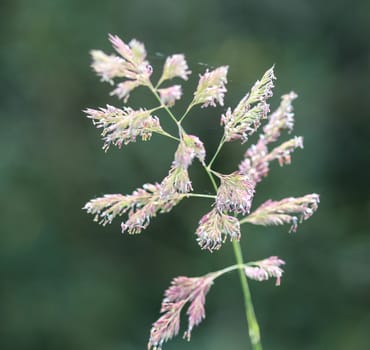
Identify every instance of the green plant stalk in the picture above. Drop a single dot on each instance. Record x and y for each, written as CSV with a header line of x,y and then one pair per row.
x,y
222,141
254,329
186,112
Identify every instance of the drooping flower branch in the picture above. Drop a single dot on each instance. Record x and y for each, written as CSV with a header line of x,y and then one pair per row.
x,y
264,269
183,290
192,291
128,69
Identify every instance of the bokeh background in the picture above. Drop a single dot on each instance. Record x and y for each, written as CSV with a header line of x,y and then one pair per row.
x,y
67,283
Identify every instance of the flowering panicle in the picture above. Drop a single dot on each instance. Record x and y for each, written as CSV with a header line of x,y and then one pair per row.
x,y
264,269
183,290
211,88
129,69
286,211
122,126
245,118
282,118
235,193
190,147
175,66
142,205
169,95
213,226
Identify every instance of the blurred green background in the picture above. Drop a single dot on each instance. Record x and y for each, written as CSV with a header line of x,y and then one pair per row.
x,y
67,283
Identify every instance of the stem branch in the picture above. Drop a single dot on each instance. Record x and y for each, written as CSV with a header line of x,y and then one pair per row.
x,y
154,91
186,112
200,195
222,141
165,133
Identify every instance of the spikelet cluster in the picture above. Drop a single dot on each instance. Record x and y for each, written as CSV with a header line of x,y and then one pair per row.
x,y
246,117
235,193
264,269
286,211
257,158
211,88
170,95
142,205
131,65
177,180
122,126
175,66
215,227
282,118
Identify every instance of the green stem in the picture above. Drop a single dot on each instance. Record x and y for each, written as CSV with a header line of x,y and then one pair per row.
x,y
165,133
219,273
254,331
200,195
154,91
186,112
209,172
222,141
247,219
160,81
